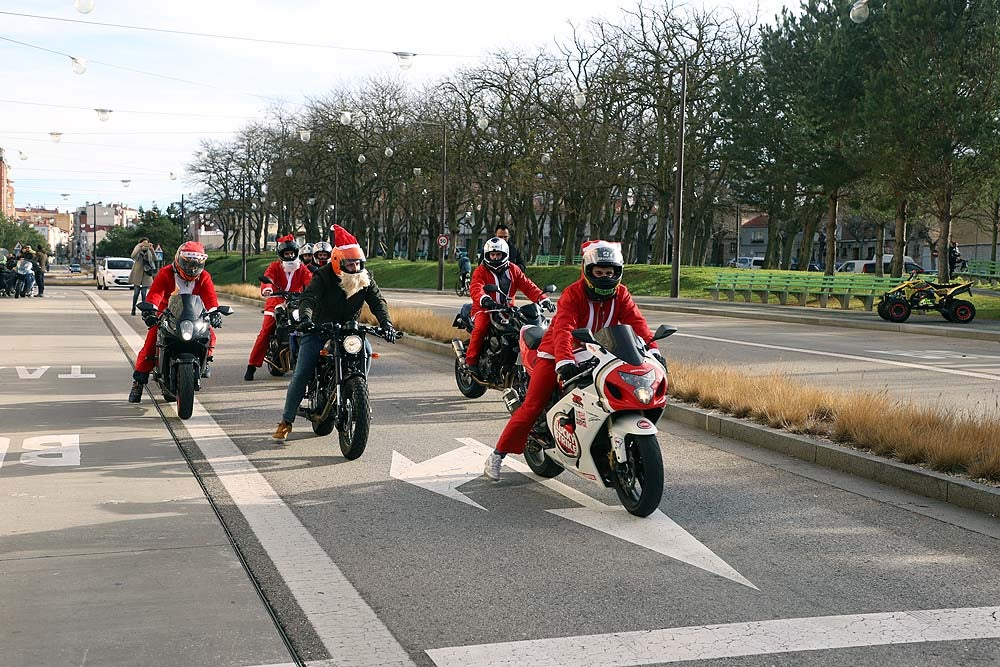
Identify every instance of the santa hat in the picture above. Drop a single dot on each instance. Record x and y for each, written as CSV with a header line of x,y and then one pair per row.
x,y
343,238
285,239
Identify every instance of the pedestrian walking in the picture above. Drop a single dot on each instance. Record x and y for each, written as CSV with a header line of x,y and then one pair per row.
x,y
41,268
143,270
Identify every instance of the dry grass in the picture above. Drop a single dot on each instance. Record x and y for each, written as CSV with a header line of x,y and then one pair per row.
x,y
933,437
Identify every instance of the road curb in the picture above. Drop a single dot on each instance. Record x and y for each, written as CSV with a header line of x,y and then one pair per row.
x,y
708,308
956,491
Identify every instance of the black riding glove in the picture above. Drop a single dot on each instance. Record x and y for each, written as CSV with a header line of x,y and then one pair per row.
x,y
215,318
488,303
389,334
659,358
567,371
149,318
547,304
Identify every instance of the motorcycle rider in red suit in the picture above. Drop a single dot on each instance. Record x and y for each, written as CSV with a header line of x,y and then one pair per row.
x,y
595,301
185,275
288,274
496,269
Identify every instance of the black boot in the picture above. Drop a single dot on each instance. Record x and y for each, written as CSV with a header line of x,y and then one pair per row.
x,y
206,372
249,374
139,381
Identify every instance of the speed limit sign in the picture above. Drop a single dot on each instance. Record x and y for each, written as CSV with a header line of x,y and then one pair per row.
x,y
443,241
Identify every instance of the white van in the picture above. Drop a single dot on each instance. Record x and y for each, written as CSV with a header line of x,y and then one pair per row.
x,y
747,263
868,265
114,271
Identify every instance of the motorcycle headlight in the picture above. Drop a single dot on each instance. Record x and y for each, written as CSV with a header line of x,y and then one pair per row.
x,y
187,329
643,384
353,344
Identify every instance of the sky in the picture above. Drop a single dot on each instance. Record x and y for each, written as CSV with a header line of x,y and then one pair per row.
x,y
211,87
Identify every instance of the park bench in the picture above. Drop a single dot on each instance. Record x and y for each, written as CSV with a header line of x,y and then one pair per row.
x,y
548,260
801,286
982,271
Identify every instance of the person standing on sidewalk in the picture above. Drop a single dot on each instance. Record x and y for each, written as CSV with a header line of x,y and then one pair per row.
x,y
143,270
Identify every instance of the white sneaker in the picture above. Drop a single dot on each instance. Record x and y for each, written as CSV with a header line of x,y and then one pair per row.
x,y
492,467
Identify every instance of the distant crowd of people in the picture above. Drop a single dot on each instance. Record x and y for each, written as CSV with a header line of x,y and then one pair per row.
x,y
22,273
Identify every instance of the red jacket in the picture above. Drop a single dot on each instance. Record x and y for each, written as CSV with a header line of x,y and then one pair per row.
x,y
577,311
165,284
279,279
518,281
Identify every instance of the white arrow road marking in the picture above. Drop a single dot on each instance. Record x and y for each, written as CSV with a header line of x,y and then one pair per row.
x,y
75,373
445,473
4,444
710,642
441,474
23,374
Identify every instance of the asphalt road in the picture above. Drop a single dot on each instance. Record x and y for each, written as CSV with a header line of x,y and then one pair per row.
x,y
755,559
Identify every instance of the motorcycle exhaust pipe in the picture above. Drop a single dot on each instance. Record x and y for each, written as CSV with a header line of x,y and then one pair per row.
x,y
459,347
511,399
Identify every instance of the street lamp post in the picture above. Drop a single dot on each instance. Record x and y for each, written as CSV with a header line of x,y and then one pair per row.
x,y
675,261
444,207
93,251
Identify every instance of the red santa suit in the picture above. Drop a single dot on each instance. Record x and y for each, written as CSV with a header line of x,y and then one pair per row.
x,y
509,281
282,278
167,283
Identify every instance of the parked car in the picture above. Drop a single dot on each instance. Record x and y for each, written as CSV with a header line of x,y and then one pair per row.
x,y
74,268
747,263
114,272
813,266
868,266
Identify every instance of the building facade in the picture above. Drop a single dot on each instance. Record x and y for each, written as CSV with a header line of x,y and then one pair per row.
x,y
6,188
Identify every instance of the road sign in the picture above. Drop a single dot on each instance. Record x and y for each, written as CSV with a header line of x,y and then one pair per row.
x,y
443,241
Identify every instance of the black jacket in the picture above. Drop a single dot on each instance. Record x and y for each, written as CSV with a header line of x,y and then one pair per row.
x,y
323,300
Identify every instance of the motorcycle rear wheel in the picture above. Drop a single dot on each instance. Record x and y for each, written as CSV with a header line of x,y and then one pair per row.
x,y
962,311
469,387
357,419
185,390
540,464
640,487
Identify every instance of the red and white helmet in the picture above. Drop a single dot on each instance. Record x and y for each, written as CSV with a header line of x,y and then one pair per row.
x,y
189,261
322,252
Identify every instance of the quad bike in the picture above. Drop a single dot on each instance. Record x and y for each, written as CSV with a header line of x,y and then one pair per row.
x,y
918,294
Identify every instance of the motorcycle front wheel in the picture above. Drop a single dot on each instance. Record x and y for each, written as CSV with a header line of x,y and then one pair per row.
x,y
469,387
640,485
539,463
357,419
185,390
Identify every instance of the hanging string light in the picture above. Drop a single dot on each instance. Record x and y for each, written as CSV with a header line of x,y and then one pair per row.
x,y
103,115
79,65
84,6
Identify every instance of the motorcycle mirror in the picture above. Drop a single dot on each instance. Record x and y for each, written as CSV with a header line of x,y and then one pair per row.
x,y
663,331
226,310
549,288
265,280
146,306
584,336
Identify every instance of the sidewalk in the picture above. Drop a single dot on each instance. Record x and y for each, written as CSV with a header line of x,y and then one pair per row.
x,y
110,552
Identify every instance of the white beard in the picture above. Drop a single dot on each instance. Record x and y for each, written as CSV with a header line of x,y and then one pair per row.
x,y
292,265
352,283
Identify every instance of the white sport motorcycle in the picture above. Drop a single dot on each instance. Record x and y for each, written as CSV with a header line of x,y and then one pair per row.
x,y
602,424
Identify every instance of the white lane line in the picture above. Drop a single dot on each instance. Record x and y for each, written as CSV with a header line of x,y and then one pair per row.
x,y
708,642
851,357
347,626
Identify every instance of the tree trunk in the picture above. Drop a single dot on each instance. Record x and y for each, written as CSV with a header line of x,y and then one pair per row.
x,y
944,239
900,251
879,249
995,224
831,233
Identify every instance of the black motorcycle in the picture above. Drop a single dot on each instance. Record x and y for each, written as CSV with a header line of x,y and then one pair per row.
x,y
337,393
283,347
182,343
498,357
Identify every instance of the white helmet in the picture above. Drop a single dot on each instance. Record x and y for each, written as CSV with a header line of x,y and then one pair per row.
x,y
307,249
495,245
326,249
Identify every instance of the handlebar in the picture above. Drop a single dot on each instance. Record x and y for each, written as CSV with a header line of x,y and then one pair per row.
x,y
332,328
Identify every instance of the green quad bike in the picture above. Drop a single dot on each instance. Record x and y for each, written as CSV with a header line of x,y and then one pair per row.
x,y
919,294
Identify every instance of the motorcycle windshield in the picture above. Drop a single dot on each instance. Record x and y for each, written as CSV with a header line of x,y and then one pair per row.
x,y
621,341
185,307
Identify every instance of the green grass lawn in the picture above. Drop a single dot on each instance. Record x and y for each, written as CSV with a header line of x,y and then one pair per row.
x,y
642,279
